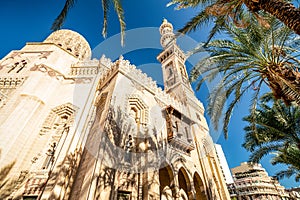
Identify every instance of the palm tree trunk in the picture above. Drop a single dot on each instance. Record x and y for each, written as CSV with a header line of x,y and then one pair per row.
x,y
284,11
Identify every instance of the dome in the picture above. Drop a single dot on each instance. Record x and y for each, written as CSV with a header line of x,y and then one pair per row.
x,y
72,42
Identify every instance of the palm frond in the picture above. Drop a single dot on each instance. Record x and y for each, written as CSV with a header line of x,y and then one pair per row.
x,y
218,27
200,19
58,22
181,4
217,98
245,54
105,7
288,173
277,132
120,13
257,155
238,94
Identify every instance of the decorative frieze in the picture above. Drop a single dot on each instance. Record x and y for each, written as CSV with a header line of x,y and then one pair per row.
x,y
8,85
85,68
48,70
11,82
41,54
20,57
61,77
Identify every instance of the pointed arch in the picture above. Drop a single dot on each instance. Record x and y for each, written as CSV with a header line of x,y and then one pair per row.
x,y
199,187
166,178
184,181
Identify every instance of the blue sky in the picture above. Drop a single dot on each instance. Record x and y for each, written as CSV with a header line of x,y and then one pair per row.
x,y
30,21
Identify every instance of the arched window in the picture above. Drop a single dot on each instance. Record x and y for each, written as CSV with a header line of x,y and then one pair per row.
x,y
56,127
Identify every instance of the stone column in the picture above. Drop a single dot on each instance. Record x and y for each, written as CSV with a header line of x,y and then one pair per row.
x,y
175,186
192,193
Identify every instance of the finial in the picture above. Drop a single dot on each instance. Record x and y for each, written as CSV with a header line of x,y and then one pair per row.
x,y
121,57
165,20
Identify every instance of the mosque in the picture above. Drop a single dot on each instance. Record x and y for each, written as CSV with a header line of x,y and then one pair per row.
x,y
78,128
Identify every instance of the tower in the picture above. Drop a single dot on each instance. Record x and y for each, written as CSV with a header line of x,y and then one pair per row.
x,y
173,60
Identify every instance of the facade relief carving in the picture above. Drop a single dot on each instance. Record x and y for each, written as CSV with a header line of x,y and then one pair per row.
x,y
71,42
59,76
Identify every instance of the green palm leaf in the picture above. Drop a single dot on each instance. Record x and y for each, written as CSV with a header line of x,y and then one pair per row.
x,y
276,132
58,22
247,59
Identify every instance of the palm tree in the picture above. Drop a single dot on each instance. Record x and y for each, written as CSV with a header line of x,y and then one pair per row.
x,y
290,157
274,128
105,6
248,59
222,11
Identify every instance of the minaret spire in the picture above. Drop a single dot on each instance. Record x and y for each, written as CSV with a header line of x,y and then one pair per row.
x,y
167,35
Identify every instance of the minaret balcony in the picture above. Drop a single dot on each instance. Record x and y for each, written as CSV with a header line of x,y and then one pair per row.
x,y
179,130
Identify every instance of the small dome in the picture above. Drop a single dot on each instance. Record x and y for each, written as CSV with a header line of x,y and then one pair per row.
x,y
72,42
167,35
165,27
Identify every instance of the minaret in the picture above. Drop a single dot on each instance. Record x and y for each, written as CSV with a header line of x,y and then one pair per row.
x,y
172,59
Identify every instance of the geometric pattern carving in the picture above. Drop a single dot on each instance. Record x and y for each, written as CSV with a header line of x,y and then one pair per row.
x,y
139,108
7,86
61,77
71,42
11,82
63,112
33,186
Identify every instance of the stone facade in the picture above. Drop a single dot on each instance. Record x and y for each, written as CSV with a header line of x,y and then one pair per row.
x,y
251,182
294,193
95,129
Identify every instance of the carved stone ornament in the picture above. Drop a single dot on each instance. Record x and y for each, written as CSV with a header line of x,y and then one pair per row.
x,y
71,42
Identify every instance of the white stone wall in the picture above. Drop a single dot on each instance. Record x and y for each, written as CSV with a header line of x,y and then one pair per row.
x,y
47,84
